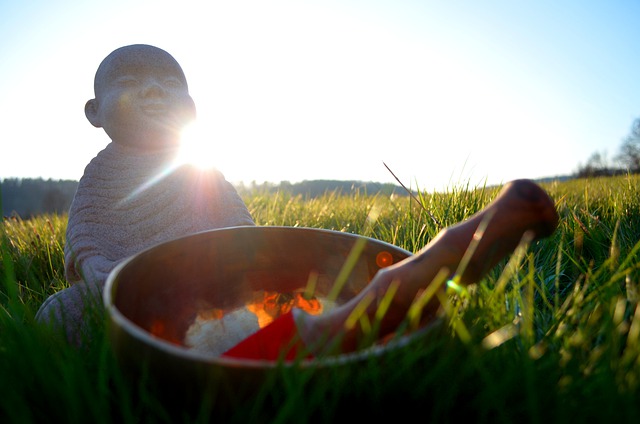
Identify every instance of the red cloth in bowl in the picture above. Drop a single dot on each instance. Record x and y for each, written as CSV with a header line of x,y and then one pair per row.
x,y
277,340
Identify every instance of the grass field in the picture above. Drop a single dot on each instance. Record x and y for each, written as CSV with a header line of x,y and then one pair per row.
x,y
550,337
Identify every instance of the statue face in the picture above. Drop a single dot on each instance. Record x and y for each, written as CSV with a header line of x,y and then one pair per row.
x,y
142,98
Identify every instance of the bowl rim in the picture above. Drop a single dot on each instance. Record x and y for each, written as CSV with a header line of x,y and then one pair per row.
x,y
125,324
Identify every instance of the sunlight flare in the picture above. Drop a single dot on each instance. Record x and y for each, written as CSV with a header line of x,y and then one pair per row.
x,y
196,147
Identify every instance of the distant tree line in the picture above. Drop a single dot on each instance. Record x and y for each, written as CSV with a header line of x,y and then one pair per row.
x,y
626,161
30,197
316,188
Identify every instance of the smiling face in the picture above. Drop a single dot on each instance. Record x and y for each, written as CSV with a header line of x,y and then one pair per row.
x,y
142,98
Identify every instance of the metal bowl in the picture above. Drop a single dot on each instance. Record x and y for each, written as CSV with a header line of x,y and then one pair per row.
x,y
153,297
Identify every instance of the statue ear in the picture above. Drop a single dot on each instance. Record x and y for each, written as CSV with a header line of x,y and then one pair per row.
x,y
91,112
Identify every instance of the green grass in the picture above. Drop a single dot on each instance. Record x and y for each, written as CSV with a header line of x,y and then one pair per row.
x,y
551,337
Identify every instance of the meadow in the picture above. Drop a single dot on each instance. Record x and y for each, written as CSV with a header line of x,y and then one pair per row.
x,y
552,334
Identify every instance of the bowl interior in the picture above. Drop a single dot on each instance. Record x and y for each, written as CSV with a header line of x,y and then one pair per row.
x,y
157,294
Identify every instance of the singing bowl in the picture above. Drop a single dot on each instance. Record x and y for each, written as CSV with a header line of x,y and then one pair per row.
x,y
154,296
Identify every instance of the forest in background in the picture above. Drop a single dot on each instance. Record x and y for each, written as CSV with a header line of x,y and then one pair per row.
x,y
29,197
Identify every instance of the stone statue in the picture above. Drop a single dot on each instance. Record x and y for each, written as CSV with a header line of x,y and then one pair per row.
x,y
133,195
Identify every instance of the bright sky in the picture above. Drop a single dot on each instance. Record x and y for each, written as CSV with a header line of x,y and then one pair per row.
x,y
444,92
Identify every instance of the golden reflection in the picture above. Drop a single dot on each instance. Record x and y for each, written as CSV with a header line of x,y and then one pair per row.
x,y
269,305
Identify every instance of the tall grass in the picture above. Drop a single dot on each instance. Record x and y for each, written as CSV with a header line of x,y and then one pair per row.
x,y
550,335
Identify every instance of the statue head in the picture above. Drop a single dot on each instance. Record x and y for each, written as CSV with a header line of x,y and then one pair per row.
x,y
141,98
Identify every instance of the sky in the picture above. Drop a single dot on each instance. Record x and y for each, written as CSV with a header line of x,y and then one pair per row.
x,y
444,93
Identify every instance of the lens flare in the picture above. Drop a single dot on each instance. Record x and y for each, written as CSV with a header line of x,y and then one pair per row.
x,y
196,147
384,259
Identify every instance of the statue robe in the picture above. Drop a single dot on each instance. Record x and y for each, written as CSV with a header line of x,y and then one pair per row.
x,y
128,200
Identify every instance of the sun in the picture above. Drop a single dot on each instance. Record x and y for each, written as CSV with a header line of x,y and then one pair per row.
x,y
196,147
